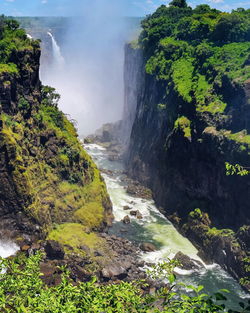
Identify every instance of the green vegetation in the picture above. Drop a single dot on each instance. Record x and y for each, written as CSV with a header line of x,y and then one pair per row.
x,y
8,68
12,41
182,78
185,125
196,214
54,178
236,169
74,236
22,290
199,222
195,51
220,232
240,137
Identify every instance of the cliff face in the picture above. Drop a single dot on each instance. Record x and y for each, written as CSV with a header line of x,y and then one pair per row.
x,y
187,170
46,177
192,116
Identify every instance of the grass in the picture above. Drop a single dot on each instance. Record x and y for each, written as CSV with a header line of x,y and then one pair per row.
x,y
76,239
91,214
74,235
240,137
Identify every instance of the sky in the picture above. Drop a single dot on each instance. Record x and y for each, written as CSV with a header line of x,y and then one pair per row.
x,y
129,7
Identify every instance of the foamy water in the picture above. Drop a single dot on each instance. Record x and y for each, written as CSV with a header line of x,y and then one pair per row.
x,y
7,249
157,229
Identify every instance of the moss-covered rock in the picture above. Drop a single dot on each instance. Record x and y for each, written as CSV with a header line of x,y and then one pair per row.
x,y
222,246
45,175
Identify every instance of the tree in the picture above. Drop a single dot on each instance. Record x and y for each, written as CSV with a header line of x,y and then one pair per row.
x,y
178,3
12,24
49,96
232,27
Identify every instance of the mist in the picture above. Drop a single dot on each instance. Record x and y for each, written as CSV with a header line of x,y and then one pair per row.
x,y
90,77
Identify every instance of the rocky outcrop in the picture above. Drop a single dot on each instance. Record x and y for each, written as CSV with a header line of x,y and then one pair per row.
x,y
120,261
220,246
148,247
187,263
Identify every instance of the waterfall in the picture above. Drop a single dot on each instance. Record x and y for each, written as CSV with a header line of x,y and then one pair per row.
x,y
7,249
133,82
57,55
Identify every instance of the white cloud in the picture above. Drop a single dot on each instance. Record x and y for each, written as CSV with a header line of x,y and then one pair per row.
x,y
216,1
44,1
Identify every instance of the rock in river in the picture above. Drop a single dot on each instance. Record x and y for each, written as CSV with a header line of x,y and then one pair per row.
x,y
147,247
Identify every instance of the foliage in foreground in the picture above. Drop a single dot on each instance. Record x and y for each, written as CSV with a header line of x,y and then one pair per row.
x,y
23,291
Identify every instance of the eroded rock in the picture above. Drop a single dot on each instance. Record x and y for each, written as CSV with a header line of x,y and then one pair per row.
x,y
126,220
54,250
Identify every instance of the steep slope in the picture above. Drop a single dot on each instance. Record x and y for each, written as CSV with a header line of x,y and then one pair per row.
x,y
46,177
192,116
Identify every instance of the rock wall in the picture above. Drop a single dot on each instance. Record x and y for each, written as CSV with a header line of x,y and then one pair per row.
x,y
183,159
186,167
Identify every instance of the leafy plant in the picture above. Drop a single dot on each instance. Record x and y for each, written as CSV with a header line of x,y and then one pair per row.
x,y
236,169
22,290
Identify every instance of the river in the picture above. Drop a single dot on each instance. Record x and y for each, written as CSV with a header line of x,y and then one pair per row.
x,y
157,229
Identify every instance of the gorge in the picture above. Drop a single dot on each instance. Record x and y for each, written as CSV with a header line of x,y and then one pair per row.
x,y
186,113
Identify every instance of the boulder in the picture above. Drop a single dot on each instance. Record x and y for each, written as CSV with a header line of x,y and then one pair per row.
x,y
25,248
116,270
126,220
137,214
187,263
147,247
54,250
127,208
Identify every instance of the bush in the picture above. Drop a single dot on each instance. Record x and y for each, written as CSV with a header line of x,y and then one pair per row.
x,y
23,104
23,291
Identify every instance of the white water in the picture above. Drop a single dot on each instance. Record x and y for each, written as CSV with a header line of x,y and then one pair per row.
x,y
7,249
155,228
58,58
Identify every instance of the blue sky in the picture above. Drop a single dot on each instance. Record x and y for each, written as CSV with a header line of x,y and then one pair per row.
x,y
129,7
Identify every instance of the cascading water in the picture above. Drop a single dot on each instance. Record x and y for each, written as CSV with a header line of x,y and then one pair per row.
x,y
58,58
7,249
154,227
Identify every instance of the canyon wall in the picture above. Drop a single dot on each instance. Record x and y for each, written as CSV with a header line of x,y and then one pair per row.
x,y
192,116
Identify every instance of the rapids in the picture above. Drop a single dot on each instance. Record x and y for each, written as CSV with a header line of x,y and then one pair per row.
x,y
157,229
